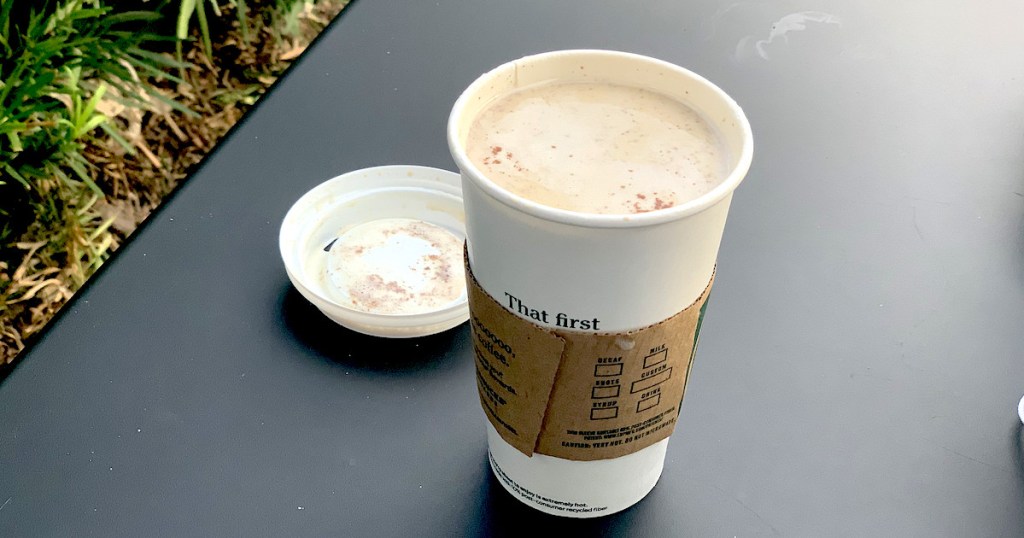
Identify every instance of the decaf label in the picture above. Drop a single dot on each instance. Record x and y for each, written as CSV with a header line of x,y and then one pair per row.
x,y
579,395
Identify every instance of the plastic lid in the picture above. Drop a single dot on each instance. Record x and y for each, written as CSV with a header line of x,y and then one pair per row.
x,y
380,250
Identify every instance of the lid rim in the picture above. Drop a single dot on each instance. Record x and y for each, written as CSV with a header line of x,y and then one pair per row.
x,y
299,222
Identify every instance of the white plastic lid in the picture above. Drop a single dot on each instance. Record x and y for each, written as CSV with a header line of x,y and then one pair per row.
x,y
380,250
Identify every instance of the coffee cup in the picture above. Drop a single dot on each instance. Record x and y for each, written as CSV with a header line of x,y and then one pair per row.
x,y
585,317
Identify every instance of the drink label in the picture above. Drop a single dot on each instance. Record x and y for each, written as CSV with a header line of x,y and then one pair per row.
x,y
580,395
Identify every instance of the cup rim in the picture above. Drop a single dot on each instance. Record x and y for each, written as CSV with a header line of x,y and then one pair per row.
x,y
599,220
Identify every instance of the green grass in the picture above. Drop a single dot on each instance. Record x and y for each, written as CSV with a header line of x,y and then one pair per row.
x,y
62,63
57,61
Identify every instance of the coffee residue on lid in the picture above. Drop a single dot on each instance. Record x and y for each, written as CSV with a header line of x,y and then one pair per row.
x,y
395,266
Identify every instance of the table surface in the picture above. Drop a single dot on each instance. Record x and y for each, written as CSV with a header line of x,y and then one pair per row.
x,y
860,364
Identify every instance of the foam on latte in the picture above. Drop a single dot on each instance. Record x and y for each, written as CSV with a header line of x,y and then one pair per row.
x,y
597,148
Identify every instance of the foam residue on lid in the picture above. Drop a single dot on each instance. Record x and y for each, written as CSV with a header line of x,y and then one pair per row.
x,y
394,266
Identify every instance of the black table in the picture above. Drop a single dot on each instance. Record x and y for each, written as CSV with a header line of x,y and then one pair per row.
x,y
859,367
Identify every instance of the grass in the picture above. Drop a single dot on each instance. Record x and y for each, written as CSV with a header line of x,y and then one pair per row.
x,y
104,109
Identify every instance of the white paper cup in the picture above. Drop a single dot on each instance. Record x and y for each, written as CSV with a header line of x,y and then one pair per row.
x,y
628,270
